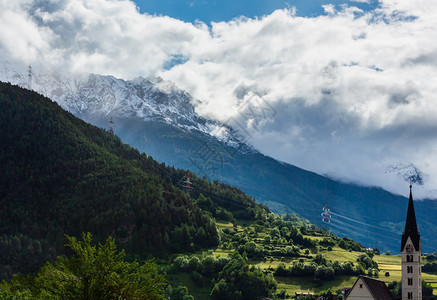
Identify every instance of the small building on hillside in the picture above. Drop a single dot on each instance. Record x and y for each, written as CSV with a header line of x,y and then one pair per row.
x,y
369,288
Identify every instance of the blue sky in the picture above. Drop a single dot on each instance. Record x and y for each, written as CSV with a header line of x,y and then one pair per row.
x,y
225,10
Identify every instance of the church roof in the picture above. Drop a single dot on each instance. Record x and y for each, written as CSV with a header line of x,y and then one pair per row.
x,y
411,227
377,288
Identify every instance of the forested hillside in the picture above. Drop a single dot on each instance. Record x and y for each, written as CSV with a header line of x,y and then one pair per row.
x,y
61,176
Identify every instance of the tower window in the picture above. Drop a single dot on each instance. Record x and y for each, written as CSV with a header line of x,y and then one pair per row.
x,y
409,269
410,295
410,281
409,258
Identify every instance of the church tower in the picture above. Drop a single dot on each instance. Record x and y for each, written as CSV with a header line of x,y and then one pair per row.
x,y
411,251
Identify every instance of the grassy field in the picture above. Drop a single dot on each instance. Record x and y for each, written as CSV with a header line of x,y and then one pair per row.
x,y
293,284
386,263
340,254
392,264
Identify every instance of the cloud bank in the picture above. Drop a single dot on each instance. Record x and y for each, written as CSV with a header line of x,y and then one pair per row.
x,y
354,91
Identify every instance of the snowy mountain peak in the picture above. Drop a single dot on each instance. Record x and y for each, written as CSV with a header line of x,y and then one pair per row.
x,y
148,99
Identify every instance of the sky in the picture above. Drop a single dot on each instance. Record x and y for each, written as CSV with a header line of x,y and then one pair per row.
x,y
208,11
351,84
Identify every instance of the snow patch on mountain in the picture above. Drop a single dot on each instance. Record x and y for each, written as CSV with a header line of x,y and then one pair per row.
x,y
149,99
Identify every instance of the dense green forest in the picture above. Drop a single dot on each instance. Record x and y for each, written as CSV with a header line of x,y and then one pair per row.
x,y
61,175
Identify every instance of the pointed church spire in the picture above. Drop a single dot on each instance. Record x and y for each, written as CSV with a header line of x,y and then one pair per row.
x,y
411,226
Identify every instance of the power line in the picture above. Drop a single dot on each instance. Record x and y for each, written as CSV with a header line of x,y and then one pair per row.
x,y
362,229
355,233
363,223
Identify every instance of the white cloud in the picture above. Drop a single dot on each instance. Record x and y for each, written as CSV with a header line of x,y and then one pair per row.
x,y
93,36
354,91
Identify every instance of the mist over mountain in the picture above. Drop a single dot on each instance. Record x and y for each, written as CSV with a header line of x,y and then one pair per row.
x,y
157,117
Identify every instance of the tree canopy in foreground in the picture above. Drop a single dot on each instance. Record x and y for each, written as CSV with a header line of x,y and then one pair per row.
x,y
92,272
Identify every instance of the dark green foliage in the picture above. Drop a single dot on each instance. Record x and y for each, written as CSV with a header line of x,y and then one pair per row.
x,y
430,267
239,281
205,264
431,257
228,201
179,292
327,242
348,244
217,212
91,273
231,276
366,261
324,271
319,259
426,289
63,176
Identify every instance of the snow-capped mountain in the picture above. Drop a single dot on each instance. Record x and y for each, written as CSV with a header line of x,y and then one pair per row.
x,y
96,98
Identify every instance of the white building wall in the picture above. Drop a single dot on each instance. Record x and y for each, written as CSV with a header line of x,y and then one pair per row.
x,y
416,287
359,291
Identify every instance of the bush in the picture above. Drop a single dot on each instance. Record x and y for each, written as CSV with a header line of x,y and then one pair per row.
x,y
238,281
178,293
181,263
430,267
281,270
194,263
324,273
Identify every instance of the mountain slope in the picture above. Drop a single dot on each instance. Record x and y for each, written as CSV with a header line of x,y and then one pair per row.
x,y
371,216
63,176
156,117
